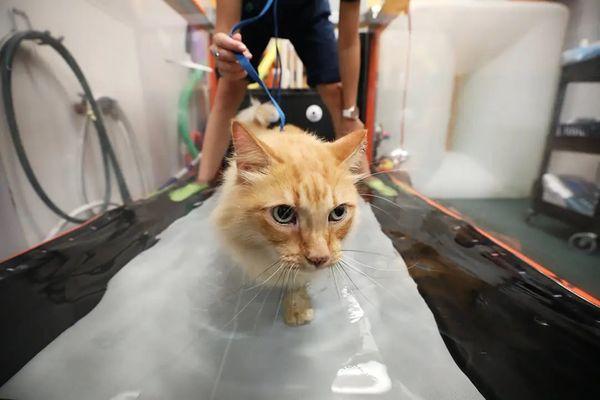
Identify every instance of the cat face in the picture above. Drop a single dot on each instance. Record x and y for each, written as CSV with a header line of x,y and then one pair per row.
x,y
291,195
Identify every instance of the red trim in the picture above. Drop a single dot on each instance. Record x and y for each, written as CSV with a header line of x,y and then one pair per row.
x,y
64,233
535,265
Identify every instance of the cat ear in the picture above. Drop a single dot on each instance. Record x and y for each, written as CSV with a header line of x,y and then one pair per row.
x,y
250,153
350,147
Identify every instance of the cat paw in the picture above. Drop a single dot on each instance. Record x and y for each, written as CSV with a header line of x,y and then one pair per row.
x,y
297,308
297,317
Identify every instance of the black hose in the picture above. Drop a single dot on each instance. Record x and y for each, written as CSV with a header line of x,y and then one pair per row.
x,y
7,54
106,169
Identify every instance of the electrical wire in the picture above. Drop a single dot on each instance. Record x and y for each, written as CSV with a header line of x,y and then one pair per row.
x,y
107,181
7,55
134,147
109,107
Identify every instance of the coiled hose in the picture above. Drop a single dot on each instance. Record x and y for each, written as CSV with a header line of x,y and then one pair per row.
x,y
110,108
7,55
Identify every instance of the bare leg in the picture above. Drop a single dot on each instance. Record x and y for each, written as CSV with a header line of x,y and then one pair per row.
x,y
297,308
331,94
217,136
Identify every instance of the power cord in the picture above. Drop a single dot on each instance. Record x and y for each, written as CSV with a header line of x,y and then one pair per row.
x,y
7,55
110,107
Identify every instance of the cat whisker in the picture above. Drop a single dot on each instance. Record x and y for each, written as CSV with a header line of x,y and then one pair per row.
x,y
381,172
349,263
352,268
361,292
387,214
292,281
283,289
343,284
337,288
295,275
243,286
382,198
262,287
358,264
371,267
270,267
368,252
338,267
281,265
279,278
246,306
348,278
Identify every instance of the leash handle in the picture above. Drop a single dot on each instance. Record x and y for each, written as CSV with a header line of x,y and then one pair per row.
x,y
245,62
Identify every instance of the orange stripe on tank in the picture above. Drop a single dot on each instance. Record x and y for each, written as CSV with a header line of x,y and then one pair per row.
x,y
535,265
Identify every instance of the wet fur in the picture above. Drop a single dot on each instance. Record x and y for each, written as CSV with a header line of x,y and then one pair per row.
x,y
293,167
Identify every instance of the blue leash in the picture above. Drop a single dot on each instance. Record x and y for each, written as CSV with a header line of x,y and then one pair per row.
x,y
245,62
278,71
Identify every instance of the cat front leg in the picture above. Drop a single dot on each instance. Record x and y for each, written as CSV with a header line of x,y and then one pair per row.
x,y
297,307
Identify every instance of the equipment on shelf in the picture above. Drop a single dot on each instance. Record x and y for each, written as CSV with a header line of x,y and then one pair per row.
x,y
561,190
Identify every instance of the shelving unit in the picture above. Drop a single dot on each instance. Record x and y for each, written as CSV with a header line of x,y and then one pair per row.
x,y
585,71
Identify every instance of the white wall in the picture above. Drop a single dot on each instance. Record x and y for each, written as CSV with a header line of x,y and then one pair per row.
x,y
481,85
121,46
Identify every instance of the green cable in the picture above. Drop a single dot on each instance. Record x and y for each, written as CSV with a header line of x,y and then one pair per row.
x,y
183,118
186,191
380,187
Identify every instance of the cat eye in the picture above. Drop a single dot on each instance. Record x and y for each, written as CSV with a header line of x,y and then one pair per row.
x,y
284,214
338,213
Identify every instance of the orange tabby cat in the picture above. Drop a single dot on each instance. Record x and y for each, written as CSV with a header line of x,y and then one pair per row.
x,y
288,201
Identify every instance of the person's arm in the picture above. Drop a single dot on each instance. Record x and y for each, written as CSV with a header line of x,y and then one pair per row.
x,y
349,50
230,90
228,13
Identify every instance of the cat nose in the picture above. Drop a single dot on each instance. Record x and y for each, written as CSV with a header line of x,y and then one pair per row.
x,y
318,261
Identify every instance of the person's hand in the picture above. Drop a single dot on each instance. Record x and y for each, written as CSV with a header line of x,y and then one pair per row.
x,y
351,125
223,48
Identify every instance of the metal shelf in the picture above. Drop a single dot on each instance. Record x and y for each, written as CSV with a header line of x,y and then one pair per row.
x,y
576,144
582,71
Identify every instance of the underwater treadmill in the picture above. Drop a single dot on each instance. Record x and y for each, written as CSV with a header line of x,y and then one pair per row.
x,y
511,328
